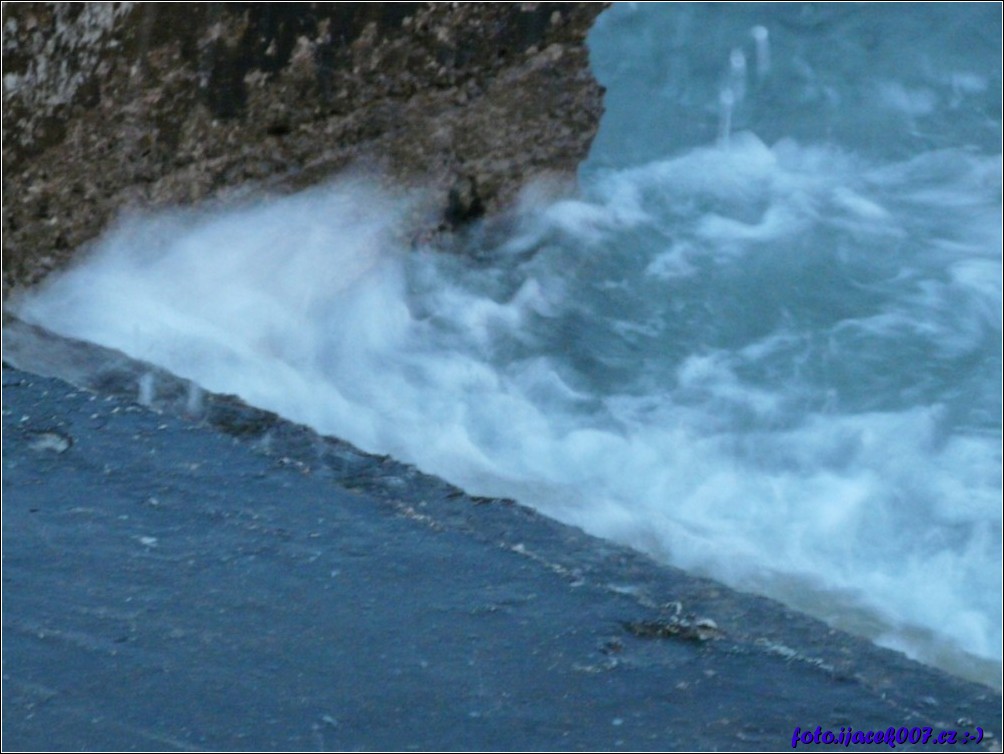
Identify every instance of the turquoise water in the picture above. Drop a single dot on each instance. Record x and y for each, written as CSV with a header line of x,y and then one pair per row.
x,y
763,343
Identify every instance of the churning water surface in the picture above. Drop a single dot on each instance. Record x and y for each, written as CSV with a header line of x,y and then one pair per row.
x,y
763,343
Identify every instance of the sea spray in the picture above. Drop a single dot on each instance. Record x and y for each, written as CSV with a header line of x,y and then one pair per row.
x,y
776,361
761,38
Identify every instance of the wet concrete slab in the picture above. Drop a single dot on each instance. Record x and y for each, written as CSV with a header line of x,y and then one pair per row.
x,y
181,571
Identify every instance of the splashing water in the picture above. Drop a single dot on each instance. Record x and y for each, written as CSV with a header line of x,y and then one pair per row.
x,y
774,358
762,39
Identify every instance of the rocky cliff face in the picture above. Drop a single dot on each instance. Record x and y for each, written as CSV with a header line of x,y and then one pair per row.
x,y
110,106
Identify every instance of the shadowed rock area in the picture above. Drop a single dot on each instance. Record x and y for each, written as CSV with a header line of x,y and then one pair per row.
x,y
116,106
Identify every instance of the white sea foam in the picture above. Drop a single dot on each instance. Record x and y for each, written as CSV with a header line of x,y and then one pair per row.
x,y
778,364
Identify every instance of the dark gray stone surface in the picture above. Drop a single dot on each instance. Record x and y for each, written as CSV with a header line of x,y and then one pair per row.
x,y
197,574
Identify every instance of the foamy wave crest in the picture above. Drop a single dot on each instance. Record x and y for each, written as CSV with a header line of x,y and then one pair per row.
x,y
775,365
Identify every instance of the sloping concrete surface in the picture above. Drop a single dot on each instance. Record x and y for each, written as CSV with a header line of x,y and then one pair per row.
x,y
196,574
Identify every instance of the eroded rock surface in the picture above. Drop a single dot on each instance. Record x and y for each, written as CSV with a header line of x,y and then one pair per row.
x,y
110,106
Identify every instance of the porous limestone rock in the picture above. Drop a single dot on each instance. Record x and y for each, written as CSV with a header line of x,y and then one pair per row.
x,y
112,106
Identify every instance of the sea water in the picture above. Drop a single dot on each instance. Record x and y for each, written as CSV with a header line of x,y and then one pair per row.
x,y
763,341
